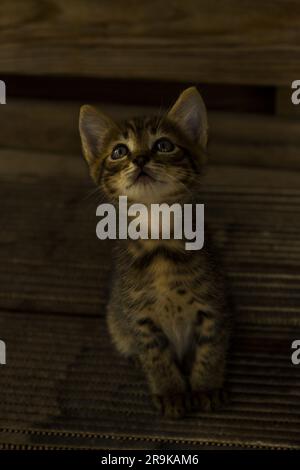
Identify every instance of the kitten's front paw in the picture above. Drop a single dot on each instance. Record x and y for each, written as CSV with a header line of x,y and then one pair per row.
x,y
173,405
209,400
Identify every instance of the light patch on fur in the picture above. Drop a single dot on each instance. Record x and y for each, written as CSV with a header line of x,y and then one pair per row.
x,y
178,329
174,315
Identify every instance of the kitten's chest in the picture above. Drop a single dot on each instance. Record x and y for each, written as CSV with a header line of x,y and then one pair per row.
x,y
171,282
176,318
174,311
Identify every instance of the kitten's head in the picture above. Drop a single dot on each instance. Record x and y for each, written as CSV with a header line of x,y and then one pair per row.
x,y
151,159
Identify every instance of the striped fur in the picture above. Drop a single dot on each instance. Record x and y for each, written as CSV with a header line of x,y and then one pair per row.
x,y
168,306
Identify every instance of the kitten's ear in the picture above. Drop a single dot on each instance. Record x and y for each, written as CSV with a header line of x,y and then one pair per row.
x,y
93,128
189,113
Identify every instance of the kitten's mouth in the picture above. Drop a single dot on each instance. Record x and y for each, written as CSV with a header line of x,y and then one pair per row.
x,y
142,177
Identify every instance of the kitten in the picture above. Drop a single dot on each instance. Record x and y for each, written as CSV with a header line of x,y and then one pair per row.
x,y
168,307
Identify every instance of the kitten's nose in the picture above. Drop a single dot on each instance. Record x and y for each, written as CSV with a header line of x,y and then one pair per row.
x,y
140,160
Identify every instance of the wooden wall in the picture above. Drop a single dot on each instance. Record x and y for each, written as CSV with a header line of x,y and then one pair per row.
x,y
134,56
232,41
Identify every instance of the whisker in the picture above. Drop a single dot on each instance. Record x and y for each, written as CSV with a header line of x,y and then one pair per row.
x,y
92,195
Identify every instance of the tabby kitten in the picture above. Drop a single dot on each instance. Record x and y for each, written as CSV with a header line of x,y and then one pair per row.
x,y
168,308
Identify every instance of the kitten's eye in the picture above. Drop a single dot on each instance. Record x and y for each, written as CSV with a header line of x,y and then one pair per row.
x,y
119,151
163,145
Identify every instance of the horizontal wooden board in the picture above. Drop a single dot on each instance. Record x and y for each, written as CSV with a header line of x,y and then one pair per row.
x,y
219,42
235,138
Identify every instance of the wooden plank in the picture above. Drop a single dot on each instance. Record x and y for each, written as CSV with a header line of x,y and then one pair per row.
x,y
235,138
195,40
255,140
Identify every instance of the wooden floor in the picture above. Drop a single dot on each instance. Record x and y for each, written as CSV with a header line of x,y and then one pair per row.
x,y
64,385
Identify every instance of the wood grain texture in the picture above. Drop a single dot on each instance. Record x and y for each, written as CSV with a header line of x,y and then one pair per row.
x,y
255,140
249,42
235,138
